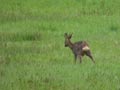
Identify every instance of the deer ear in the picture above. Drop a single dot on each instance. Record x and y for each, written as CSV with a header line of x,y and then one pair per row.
x,y
70,35
65,35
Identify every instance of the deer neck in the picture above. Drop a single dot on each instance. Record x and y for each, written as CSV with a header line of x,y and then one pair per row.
x,y
70,44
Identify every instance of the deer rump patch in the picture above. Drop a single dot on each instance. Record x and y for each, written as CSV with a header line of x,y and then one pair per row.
x,y
85,48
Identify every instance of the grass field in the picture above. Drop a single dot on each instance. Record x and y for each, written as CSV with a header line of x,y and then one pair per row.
x,y
32,52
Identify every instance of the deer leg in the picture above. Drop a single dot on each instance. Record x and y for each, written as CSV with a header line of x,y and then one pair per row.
x,y
75,56
88,53
80,57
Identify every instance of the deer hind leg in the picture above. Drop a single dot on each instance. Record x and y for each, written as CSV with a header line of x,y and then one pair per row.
x,y
88,53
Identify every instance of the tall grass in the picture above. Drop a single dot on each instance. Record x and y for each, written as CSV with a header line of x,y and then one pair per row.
x,y
32,52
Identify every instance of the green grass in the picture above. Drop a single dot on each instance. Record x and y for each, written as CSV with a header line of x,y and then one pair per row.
x,y
32,52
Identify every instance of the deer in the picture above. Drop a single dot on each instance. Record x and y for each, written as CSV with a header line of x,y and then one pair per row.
x,y
79,48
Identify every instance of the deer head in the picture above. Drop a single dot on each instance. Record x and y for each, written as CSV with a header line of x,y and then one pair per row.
x,y
67,39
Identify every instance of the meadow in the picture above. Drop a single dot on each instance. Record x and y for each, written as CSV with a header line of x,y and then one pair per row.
x,y
32,52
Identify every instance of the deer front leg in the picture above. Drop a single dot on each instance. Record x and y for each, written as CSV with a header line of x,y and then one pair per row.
x,y
80,58
75,58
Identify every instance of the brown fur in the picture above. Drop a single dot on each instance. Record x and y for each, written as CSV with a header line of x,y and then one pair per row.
x,y
79,49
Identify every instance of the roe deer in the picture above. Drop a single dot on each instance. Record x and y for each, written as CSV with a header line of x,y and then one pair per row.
x,y
79,49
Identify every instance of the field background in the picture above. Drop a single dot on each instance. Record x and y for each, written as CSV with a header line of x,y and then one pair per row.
x,y
32,52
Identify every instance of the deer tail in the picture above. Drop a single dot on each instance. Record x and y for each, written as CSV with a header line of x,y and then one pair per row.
x,y
85,48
